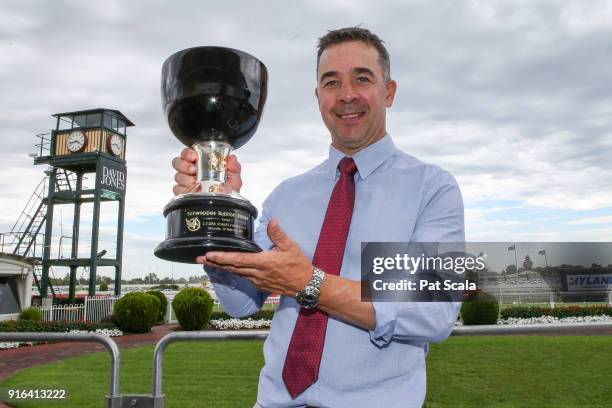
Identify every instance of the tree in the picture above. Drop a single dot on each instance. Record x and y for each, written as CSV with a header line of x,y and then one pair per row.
x,y
59,281
510,270
527,263
195,278
151,278
595,266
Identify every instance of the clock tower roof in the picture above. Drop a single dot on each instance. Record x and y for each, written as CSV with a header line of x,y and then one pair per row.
x,y
82,113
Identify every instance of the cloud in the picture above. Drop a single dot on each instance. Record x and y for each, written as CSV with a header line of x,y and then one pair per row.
x,y
508,96
606,219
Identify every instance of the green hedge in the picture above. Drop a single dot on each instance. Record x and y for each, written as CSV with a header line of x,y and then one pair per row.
x,y
165,286
55,326
31,313
192,308
136,312
262,314
480,308
526,312
163,304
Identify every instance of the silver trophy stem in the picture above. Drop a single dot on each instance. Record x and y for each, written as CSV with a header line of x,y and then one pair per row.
x,y
211,166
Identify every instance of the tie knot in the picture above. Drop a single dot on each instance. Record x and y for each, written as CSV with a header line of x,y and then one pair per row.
x,y
347,166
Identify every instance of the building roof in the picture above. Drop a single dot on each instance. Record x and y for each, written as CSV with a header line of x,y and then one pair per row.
x,y
96,110
17,260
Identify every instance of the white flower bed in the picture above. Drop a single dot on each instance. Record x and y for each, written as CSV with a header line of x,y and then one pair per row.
x,y
12,344
15,344
108,332
237,324
550,319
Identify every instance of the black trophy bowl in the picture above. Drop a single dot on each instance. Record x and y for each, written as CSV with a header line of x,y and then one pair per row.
x,y
213,98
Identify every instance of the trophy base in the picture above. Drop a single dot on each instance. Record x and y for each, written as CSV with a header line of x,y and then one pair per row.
x,y
200,223
186,250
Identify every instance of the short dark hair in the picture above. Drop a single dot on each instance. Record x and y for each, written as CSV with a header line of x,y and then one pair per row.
x,y
347,34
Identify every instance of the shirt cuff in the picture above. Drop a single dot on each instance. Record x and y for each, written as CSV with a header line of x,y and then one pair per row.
x,y
221,277
385,316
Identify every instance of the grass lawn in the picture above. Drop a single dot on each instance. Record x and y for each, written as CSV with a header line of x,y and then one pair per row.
x,y
520,371
513,371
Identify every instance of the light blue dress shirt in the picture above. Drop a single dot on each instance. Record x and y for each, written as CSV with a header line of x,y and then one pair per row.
x,y
397,199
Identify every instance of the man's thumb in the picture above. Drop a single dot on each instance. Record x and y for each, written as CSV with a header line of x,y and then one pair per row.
x,y
277,235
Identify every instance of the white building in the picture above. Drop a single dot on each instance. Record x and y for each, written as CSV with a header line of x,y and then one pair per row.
x,y
16,274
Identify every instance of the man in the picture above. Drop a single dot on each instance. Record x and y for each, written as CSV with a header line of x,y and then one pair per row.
x,y
356,353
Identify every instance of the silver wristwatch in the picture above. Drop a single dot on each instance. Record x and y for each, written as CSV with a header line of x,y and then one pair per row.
x,y
308,297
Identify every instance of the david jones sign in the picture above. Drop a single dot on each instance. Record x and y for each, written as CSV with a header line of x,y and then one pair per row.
x,y
112,177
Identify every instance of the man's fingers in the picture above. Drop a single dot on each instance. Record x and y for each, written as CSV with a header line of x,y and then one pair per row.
x,y
246,272
234,180
185,176
188,154
235,262
234,259
184,180
184,166
180,189
233,165
194,188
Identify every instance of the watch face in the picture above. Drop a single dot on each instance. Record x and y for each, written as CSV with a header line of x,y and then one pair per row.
x,y
76,141
115,145
308,298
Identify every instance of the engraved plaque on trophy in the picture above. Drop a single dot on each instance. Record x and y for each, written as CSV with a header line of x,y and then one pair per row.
x,y
213,99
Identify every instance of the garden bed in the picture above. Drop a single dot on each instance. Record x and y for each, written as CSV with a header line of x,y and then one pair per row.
x,y
36,326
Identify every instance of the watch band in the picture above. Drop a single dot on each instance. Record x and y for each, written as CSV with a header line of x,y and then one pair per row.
x,y
308,297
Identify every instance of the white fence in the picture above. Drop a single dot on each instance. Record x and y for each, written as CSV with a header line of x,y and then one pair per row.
x,y
94,309
68,313
99,307
553,298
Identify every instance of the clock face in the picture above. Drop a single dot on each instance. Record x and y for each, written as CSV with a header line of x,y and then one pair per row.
x,y
76,141
115,144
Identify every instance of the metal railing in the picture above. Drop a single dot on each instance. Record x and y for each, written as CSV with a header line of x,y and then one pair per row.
x,y
44,144
25,238
160,348
10,243
157,398
539,328
114,399
106,341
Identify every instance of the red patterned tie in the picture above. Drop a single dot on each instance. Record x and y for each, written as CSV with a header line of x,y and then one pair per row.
x,y
303,359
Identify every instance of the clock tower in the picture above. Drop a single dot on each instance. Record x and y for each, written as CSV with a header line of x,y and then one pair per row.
x,y
88,141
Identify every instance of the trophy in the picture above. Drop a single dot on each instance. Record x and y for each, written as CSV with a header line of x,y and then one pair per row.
x,y
213,98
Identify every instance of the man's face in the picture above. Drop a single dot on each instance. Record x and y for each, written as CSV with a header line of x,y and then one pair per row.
x,y
352,95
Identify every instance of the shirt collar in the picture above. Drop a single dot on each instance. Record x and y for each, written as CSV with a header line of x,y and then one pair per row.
x,y
367,159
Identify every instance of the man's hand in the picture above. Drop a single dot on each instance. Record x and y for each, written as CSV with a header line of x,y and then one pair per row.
x,y
186,172
284,270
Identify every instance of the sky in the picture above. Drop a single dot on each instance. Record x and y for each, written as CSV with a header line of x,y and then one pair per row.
x,y
514,98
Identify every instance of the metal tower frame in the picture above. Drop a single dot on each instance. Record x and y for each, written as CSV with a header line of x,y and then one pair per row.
x,y
65,186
